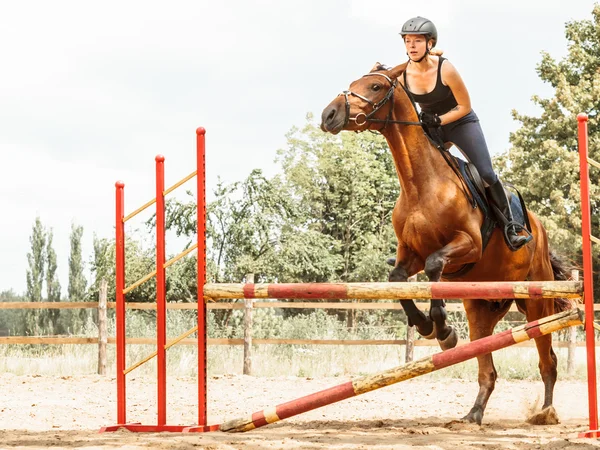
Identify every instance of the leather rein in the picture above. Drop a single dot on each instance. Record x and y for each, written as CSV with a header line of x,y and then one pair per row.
x,y
362,118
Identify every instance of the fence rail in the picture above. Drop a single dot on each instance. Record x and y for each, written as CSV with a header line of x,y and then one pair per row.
x,y
50,340
248,341
424,305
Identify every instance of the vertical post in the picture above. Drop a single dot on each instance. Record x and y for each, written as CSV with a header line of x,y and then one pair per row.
x,y
588,285
572,331
248,308
161,308
120,299
102,332
410,333
201,228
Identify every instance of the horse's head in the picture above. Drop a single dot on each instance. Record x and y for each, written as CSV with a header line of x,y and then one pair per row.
x,y
363,106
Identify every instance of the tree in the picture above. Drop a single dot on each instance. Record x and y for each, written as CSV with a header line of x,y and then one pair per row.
x,y
347,187
36,259
52,283
50,316
77,281
326,217
102,266
543,161
12,321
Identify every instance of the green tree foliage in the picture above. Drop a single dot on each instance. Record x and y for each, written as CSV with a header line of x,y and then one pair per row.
x,y
36,259
77,281
326,217
347,188
102,266
12,321
543,160
49,317
52,283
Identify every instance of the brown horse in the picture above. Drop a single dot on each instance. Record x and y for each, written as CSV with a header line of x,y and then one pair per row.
x,y
439,232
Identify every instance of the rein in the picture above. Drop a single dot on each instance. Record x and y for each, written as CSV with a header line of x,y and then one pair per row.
x,y
364,118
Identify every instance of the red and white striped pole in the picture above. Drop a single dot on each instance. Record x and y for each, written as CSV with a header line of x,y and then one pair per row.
x,y
414,369
588,279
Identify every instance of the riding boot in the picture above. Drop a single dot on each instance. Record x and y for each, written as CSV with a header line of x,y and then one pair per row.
x,y
503,213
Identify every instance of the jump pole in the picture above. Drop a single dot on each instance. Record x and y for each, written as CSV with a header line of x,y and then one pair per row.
x,y
159,272
588,280
531,330
397,290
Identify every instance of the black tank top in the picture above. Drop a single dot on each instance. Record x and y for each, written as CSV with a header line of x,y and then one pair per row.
x,y
440,100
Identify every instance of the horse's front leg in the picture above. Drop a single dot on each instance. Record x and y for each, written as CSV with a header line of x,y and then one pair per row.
x,y
407,263
461,250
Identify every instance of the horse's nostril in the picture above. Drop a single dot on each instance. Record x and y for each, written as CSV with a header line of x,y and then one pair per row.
x,y
331,115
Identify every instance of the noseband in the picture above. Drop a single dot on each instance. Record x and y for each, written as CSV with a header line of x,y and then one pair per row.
x,y
362,118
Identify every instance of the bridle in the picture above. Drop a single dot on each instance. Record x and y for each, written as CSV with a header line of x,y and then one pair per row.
x,y
362,118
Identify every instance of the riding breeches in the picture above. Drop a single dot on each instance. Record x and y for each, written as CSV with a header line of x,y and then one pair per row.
x,y
466,134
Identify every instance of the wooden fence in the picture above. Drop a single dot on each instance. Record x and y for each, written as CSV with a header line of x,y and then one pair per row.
x,y
248,306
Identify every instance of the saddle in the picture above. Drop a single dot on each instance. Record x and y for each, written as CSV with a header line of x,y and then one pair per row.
x,y
475,191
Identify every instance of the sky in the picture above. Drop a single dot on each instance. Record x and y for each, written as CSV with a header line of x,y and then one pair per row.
x,y
91,92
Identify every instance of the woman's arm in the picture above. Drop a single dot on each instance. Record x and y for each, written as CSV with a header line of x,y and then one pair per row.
x,y
452,79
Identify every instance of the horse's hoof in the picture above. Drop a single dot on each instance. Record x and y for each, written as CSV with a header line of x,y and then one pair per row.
x,y
474,416
450,341
424,330
546,416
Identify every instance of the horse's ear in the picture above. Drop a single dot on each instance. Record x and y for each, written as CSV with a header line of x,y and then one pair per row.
x,y
398,70
377,66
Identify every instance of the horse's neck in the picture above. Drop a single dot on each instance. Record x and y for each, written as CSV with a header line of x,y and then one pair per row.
x,y
418,163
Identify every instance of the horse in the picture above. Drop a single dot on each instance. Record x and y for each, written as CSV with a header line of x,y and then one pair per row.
x,y
439,232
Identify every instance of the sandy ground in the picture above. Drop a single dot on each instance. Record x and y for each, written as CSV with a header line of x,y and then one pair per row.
x,y
67,412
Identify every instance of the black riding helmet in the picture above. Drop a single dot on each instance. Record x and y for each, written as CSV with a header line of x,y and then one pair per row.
x,y
421,25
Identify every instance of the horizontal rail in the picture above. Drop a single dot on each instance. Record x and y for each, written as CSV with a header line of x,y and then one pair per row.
x,y
181,255
372,291
423,305
169,345
139,210
139,282
593,163
51,340
594,239
179,183
153,273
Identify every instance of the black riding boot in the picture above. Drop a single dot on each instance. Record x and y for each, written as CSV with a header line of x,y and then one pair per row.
x,y
497,195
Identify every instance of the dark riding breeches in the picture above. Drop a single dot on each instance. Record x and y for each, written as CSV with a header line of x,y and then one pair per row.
x,y
467,135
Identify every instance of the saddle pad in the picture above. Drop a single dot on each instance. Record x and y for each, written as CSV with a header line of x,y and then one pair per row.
x,y
482,202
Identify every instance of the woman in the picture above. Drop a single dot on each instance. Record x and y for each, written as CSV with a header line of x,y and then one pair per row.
x,y
446,110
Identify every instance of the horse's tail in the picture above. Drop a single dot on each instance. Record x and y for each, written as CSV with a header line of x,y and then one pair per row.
x,y
562,270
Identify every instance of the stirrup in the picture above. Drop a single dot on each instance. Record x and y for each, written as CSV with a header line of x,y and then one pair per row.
x,y
517,227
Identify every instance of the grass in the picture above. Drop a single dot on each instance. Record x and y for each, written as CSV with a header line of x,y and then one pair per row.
x,y
274,360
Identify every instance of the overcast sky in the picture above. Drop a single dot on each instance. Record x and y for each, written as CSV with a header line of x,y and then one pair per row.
x,y
92,91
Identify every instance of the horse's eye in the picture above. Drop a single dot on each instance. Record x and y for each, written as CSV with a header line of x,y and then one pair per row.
x,y
376,87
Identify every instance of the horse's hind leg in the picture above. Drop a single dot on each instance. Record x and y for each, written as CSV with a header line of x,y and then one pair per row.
x,y
482,321
541,270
